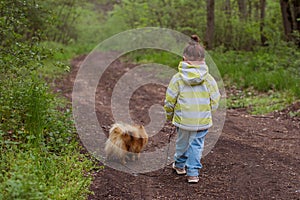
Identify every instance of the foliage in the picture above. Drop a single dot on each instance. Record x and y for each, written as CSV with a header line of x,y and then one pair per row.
x,y
176,15
39,154
153,56
20,21
189,17
33,174
89,31
260,103
36,138
264,69
267,79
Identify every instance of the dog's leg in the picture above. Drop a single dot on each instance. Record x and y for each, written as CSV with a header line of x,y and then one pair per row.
x,y
129,156
138,156
123,158
108,155
132,156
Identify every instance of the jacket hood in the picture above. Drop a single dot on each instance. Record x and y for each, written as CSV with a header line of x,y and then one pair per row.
x,y
192,74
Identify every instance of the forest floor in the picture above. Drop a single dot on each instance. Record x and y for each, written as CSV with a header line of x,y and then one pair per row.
x,y
256,157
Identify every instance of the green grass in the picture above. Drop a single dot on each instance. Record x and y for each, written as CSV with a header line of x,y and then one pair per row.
x,y
271,75
263,70
33,174
40,155
89,31
153,56
275,68
260,103
40,152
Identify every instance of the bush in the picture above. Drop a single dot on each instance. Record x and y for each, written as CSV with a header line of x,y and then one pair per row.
x,y
263,69
190,17
40,156
39,175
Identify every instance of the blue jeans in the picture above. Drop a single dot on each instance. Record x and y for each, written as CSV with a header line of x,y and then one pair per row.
x,y
189,147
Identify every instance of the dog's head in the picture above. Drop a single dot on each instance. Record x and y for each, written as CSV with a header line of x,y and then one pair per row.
x,y
141,132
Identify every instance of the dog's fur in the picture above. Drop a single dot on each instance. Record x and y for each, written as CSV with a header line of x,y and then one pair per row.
x,y
125,141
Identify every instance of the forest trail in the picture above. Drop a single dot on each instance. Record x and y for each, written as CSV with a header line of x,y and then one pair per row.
x,y
256,157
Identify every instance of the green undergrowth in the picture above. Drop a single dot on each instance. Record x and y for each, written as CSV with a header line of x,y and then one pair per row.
x,y
34,174
40,154
41,157
153,56
89,33
267,79
274,68
262,103
263,70
59,63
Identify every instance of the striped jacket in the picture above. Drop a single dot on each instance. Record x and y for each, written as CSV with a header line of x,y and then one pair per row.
x,y
191,97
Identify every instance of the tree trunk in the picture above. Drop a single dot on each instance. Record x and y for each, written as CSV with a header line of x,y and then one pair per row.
x,y
227,8
263,39
242,9
249,9
209,36
290,11
256,12
227,33
286,16
297,9
295,12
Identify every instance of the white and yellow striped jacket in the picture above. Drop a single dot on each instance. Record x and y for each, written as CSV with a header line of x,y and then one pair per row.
x,y
191,97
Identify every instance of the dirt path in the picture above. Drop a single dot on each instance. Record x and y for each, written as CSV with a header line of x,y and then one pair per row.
x,y
256,157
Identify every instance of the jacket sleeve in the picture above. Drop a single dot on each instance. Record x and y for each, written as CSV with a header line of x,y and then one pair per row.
x,y
171,98
213,92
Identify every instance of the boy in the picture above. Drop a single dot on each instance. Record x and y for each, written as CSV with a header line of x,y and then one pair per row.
x,y
191,97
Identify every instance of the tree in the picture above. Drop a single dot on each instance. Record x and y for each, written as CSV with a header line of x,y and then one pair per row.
x,y
263,38
210,23
290,11
242,9
227,8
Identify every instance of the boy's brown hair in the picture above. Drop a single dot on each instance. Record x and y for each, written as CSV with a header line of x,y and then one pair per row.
x,y
194,51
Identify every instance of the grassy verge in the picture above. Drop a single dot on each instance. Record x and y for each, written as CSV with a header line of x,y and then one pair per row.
x,y
263,70
89,31
33,174
271,73
261,81
40,155
260,103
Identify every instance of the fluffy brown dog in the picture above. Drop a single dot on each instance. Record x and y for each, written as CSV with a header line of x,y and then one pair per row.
x,y
125,141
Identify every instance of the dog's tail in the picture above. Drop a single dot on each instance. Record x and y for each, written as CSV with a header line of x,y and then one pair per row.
x,y
120,128
118,143
121,131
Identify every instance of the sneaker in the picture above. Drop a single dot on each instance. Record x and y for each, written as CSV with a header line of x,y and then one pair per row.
x,y
193,179
179,171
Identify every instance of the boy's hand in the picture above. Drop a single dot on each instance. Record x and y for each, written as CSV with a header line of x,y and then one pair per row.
x,y
169,117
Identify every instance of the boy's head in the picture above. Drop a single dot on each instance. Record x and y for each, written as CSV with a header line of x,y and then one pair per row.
x,y
194,51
